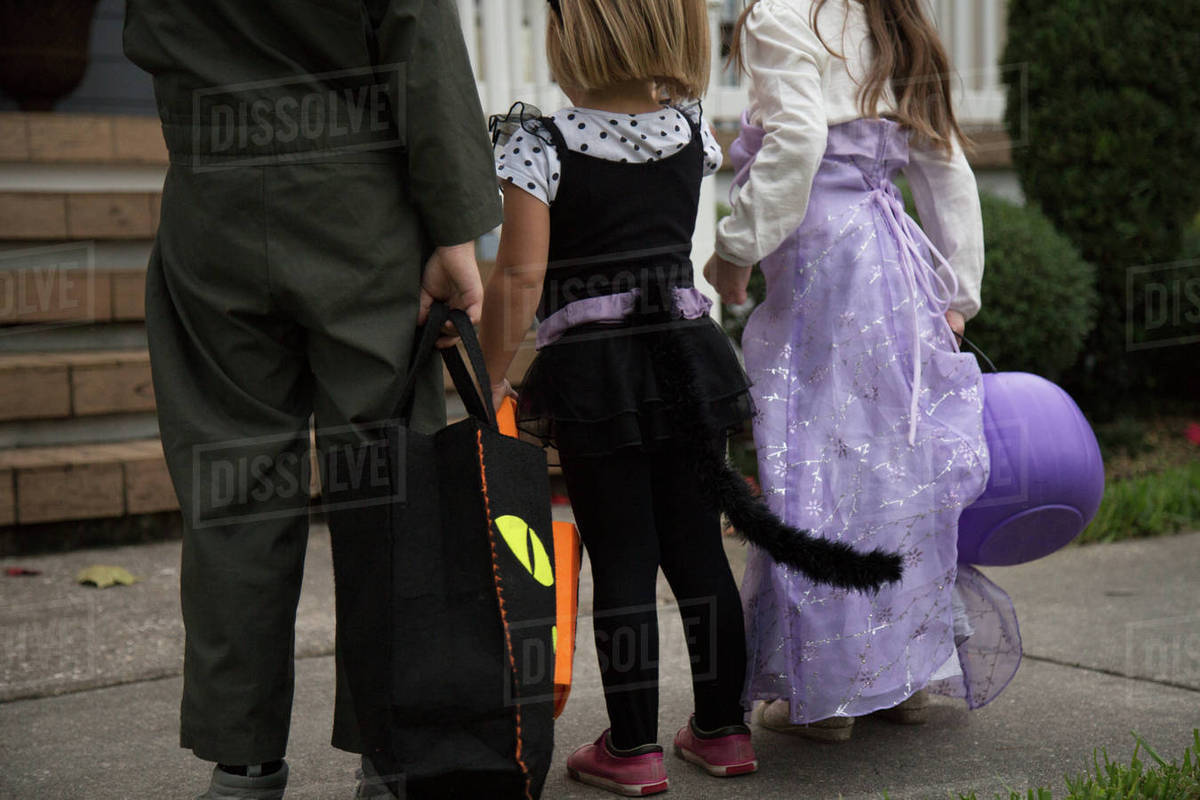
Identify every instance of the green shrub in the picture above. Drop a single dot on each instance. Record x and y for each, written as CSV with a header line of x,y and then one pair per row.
x,y
1039,295
1191,241
1107,126
1125,434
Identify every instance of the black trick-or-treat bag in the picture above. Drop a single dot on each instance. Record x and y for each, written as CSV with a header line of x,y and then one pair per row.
x,y
446,597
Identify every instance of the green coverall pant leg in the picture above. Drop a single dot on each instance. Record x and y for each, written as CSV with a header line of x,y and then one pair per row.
x,y
275,294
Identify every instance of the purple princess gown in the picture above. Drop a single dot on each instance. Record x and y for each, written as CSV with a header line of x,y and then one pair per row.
x,y
860,442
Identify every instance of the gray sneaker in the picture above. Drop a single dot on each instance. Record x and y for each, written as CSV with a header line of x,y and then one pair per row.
x,y
244,787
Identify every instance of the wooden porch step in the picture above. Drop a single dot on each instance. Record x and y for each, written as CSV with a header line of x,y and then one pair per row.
x,y
87,383
56,484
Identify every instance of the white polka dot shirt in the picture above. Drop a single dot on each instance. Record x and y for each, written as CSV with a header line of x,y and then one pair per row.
x,y
530,161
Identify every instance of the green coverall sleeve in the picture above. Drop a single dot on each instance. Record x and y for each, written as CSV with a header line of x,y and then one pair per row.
x,y
451,172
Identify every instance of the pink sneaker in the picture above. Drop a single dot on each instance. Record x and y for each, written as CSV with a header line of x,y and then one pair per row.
x,y
637,774
724,752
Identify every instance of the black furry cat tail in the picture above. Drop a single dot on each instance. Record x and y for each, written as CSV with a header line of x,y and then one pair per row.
x,y
822,560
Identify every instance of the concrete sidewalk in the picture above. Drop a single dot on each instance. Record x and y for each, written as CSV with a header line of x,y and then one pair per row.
x,y
89,687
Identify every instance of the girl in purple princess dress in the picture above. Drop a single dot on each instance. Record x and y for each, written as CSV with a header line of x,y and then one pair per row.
x,y
869,419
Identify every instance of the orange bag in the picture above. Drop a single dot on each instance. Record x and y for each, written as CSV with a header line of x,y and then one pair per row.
x,y
567,554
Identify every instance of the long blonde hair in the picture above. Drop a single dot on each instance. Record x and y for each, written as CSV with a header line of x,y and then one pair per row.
x,y
596,43
909,56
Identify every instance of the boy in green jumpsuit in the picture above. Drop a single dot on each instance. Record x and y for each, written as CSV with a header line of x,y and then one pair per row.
x,y
329,172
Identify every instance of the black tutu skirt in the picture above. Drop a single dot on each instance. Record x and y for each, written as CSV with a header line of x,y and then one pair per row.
x,y
599,388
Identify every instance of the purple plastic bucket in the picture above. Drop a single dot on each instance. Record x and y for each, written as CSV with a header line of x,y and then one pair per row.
x,y
1047,476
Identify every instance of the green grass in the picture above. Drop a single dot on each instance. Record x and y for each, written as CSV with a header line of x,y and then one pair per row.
x,y
1138,780
1152,475
1162,502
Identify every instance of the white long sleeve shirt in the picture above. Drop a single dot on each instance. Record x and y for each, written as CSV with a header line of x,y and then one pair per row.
x,y
798,89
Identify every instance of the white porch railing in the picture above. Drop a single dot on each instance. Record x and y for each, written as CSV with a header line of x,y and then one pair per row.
x,y
974,33
505,39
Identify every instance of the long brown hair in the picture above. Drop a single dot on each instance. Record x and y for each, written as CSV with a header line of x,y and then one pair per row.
x,y
909,56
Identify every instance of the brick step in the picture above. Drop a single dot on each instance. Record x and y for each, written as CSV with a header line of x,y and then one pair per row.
x,y
80,177
40,386
80,384
36,296
60,138
55,484
36,215
96,482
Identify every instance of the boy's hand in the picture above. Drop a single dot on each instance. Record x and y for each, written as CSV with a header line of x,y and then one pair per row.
x,y
729,279
958,324
452,275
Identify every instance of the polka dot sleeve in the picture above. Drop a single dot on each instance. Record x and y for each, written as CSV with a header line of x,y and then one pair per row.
x,y
531,164
713,157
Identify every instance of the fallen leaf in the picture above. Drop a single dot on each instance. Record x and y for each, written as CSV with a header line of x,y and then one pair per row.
x,y
19,571
102,576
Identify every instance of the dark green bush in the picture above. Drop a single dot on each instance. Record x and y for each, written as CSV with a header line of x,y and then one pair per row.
x,y
1191,241
1104,111
1039,295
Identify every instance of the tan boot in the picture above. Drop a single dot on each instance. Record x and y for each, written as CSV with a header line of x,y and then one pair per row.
x,y
913,711
776,716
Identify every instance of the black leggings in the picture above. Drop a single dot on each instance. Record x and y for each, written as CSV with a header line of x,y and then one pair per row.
x,y
636,512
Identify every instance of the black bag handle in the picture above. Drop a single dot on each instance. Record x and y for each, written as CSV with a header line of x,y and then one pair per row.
x,y
479,403
979,352
477,400
427,338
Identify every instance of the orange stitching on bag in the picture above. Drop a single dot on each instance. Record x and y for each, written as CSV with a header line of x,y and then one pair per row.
x,y
512,664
